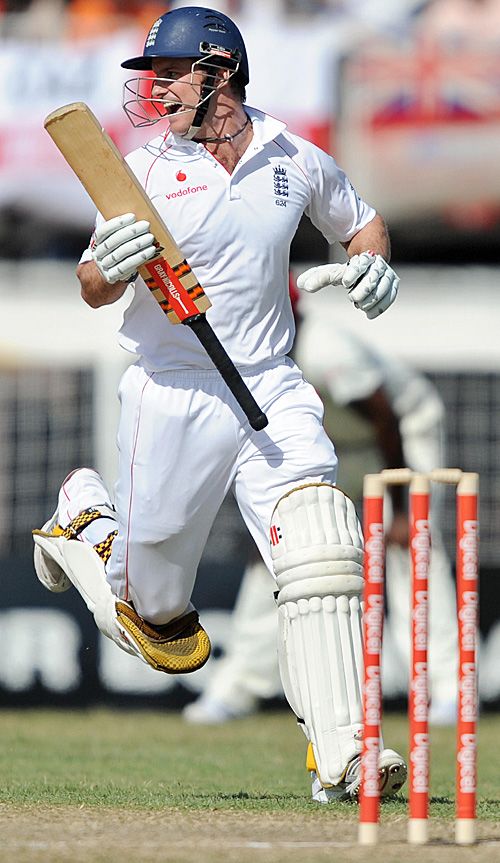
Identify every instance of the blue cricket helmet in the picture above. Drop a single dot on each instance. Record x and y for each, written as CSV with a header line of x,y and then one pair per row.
x,y
194,31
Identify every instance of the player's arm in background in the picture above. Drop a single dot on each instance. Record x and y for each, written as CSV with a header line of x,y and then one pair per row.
x,y
377,410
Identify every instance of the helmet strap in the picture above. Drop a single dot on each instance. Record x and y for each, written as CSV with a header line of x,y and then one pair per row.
x,y
207,91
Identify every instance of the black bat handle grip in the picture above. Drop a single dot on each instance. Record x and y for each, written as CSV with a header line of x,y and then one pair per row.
x,y
204,332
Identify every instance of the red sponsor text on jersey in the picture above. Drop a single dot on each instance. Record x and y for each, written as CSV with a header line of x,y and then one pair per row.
x,y
189,190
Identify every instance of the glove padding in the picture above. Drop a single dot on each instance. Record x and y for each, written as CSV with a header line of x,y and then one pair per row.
x,y
372,284
122,246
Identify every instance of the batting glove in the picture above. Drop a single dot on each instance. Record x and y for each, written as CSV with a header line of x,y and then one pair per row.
x,y
122,245
371,283
319,277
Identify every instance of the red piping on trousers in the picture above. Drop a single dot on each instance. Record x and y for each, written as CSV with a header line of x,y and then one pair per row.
x,y
136,436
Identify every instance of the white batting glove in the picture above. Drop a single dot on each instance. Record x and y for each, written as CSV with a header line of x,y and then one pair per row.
x,y
372,284
122,246
320,277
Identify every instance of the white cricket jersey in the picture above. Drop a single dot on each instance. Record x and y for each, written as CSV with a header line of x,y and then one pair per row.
x,y
235,230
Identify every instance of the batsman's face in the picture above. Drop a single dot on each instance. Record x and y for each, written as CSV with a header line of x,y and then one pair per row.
x,y
177,86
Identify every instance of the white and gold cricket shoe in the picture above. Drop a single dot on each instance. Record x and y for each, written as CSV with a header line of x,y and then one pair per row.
x,y
392,776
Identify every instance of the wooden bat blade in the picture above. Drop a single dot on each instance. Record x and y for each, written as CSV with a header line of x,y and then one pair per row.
x,y
114,189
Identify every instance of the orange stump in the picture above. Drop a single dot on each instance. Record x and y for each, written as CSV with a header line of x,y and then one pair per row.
x,y
373,621
467,607
418,702
467,569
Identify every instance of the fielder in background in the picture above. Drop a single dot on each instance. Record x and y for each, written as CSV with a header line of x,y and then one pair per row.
x,y
404,418
232,184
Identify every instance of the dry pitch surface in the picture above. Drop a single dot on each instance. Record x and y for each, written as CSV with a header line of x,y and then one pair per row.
x,y
81,835
104,786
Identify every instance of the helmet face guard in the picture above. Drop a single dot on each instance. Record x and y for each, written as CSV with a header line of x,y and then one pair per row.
x,y
210,38
144,109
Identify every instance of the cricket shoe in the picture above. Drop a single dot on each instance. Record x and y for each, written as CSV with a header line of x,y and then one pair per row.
x,y
392,776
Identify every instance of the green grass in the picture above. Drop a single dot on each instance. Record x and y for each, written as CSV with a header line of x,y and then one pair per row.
x,y
106,786
149,760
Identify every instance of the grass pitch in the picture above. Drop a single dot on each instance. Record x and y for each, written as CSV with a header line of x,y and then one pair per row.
x,y
143,786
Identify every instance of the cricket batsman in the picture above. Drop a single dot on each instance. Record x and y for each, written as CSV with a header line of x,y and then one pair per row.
x,y
232,184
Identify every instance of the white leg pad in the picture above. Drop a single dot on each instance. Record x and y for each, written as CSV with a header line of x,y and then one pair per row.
x,y
317,550
83,567
48,560
49,566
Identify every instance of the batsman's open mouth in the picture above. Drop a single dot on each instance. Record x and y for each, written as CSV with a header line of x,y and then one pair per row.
x,y
173,108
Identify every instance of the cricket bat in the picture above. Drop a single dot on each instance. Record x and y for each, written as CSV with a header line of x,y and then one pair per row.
x,y
114,189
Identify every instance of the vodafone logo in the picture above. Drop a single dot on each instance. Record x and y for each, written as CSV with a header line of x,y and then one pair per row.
x,y
186,190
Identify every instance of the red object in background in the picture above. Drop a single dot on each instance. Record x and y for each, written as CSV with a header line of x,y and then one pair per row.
x,y
294,292
91,18
478,216
429,85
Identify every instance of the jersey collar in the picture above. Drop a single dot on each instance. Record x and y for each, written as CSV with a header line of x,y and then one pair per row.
x,y
265,129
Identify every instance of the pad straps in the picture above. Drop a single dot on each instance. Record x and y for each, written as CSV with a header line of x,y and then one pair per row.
x,y
79,523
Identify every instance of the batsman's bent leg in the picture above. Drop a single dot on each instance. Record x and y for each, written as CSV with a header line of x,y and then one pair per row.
x,y
64,556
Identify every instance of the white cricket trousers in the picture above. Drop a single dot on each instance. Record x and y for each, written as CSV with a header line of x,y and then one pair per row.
x,y
183,444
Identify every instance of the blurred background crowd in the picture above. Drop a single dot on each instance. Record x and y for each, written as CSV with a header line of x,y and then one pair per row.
x,y
83,18
406,95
